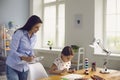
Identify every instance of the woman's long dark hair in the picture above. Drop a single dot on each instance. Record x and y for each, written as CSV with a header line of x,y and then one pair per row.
x,y
33,20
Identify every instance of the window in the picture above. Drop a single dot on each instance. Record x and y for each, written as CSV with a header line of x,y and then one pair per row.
x,y
48,1
112,25
54,23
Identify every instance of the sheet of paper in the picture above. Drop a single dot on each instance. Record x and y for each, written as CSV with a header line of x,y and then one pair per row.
x,y
73,76
22,62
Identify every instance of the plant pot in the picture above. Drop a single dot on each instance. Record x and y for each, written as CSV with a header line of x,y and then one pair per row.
x,y
50,48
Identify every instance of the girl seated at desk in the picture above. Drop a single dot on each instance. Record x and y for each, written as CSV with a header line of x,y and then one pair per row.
x,y
63,63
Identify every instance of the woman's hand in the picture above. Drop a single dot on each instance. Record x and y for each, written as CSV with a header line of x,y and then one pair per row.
x,y
27,59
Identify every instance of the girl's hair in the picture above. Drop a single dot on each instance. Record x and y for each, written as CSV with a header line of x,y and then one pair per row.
x,y
33,20
67,51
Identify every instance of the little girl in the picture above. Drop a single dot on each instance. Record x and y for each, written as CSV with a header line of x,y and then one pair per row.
x,y
63,63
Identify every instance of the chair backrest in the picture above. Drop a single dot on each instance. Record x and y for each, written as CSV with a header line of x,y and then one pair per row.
x,y
36,71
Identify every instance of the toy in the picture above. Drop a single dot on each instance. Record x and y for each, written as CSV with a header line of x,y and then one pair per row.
x,y
86,66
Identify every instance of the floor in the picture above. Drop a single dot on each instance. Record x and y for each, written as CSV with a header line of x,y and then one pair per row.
x,y
3,78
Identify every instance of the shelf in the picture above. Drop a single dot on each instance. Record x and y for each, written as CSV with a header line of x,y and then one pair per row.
x,y
6,39
78,59
7,49
81,64
73,62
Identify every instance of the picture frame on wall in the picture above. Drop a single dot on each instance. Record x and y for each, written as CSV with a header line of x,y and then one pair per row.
x,y
77,20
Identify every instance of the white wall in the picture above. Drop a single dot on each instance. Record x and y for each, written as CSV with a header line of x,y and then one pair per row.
x,y
17,11
84,34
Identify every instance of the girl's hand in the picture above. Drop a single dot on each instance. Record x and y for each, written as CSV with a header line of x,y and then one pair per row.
x,y
65,70
71,70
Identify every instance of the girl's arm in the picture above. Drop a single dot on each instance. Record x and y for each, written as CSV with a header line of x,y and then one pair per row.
x,y
53,70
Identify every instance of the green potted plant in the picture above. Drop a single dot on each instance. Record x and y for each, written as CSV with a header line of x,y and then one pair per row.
x,y
75,48
11,24
50,44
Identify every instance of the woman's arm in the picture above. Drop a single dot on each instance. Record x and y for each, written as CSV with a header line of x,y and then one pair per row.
x,y
53,70
15,45
15,42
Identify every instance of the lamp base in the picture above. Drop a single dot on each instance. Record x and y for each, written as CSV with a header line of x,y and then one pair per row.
x,y
104,71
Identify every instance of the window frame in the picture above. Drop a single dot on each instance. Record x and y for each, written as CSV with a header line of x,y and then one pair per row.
x,y
104,22
104,27
55,3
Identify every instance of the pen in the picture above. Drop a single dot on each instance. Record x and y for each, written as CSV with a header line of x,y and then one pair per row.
x,y
28,54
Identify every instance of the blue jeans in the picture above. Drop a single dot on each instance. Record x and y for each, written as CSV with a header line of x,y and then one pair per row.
x,y
13,74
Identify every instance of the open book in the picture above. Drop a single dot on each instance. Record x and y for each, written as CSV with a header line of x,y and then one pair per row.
x,y
72,76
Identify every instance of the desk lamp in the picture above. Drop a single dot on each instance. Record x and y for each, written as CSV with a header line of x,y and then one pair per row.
x,y
98,42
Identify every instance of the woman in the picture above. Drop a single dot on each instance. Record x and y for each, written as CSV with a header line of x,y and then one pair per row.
x,y
21,52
